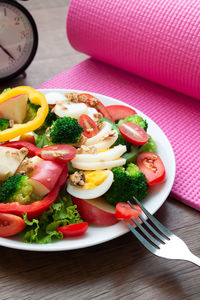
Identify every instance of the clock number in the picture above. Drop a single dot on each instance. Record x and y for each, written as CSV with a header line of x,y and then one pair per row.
x,y
4,11
24,34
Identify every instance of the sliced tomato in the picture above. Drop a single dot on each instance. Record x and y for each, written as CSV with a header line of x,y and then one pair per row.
x,y
151,165
90,100
73,230
119,112
124,211
133,133
89,126
58,153
10,225
27,138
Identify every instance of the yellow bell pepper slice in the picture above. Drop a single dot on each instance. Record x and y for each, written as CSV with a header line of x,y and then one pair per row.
x,y
36,98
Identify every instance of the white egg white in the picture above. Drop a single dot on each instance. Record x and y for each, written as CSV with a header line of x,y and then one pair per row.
x,y
108,155
73,110
106,144
95,192
96,165
106,127
91,112
53,97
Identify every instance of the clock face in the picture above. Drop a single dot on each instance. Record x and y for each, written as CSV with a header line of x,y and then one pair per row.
x,y
18,39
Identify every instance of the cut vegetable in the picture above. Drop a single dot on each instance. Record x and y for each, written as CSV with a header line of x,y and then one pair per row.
x,y
133,133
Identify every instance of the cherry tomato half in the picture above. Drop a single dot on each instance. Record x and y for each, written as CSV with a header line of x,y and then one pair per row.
x,y
124,211
119,112
133,133
89,126
151,165
58,153
99,106
10,225
73,230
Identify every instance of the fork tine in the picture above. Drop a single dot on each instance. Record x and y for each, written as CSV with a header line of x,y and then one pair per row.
x,y
151,238
162,228
145,243
157,234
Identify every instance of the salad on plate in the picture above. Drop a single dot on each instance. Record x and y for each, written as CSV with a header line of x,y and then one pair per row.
x,y
67,161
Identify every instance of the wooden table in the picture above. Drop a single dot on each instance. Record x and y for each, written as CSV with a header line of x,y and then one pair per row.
x,y
119,269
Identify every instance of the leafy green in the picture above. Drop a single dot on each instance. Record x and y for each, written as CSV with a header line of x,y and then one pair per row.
x,y
4,124
42,140
138,120
4,91
43,229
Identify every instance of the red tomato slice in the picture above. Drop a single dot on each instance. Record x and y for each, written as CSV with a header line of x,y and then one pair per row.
x,y
10,225
151,165
89,126
119,112
58,153
73,230
96,103
133,133
124,211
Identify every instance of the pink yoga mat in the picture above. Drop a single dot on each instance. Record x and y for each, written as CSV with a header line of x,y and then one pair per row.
x,y
159,41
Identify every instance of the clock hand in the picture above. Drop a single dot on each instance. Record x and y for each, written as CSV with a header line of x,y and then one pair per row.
x,y
6,51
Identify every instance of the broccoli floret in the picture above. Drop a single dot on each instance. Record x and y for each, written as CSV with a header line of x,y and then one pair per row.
x,y
138,120
131,156
50,118
4,124
127,183
150,146
65,130
16,189
31,112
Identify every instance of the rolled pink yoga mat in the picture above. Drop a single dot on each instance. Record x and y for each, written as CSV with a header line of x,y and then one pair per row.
x,y
159,42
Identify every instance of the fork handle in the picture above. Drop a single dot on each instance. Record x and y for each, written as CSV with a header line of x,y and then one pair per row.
x,y
194,259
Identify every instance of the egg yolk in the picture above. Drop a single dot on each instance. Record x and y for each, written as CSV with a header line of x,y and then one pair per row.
x,y
94,178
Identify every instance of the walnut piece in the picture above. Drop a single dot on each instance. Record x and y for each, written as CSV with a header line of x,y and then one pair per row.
x,y
87,150
109,134
72,97
77,179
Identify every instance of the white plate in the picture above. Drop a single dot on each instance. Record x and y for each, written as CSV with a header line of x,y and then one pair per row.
x,y
96,234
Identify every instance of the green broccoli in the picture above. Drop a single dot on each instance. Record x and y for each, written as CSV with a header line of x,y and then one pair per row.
x,y
136,120
127,183
4,124
65,130
16,189
131,156
50,118
31,112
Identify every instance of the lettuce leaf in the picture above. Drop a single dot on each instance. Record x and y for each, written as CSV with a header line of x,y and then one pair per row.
x,y
43,229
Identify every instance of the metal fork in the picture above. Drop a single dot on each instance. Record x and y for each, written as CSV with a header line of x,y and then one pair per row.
x,y
160,241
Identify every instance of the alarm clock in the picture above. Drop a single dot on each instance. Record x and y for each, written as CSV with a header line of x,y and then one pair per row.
x,y
18,39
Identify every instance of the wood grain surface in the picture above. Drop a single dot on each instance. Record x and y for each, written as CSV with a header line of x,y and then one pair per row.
x,y
119,269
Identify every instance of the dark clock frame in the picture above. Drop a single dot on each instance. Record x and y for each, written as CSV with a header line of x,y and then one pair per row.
x,y
35,41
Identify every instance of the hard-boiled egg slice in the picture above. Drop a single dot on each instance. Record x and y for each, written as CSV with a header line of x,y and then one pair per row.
x,y
96,184
91,112
106,127
53,97
73,110
98,165
107,155
106,144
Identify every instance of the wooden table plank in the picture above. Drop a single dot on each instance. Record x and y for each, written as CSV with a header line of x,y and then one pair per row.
x,y
119,269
